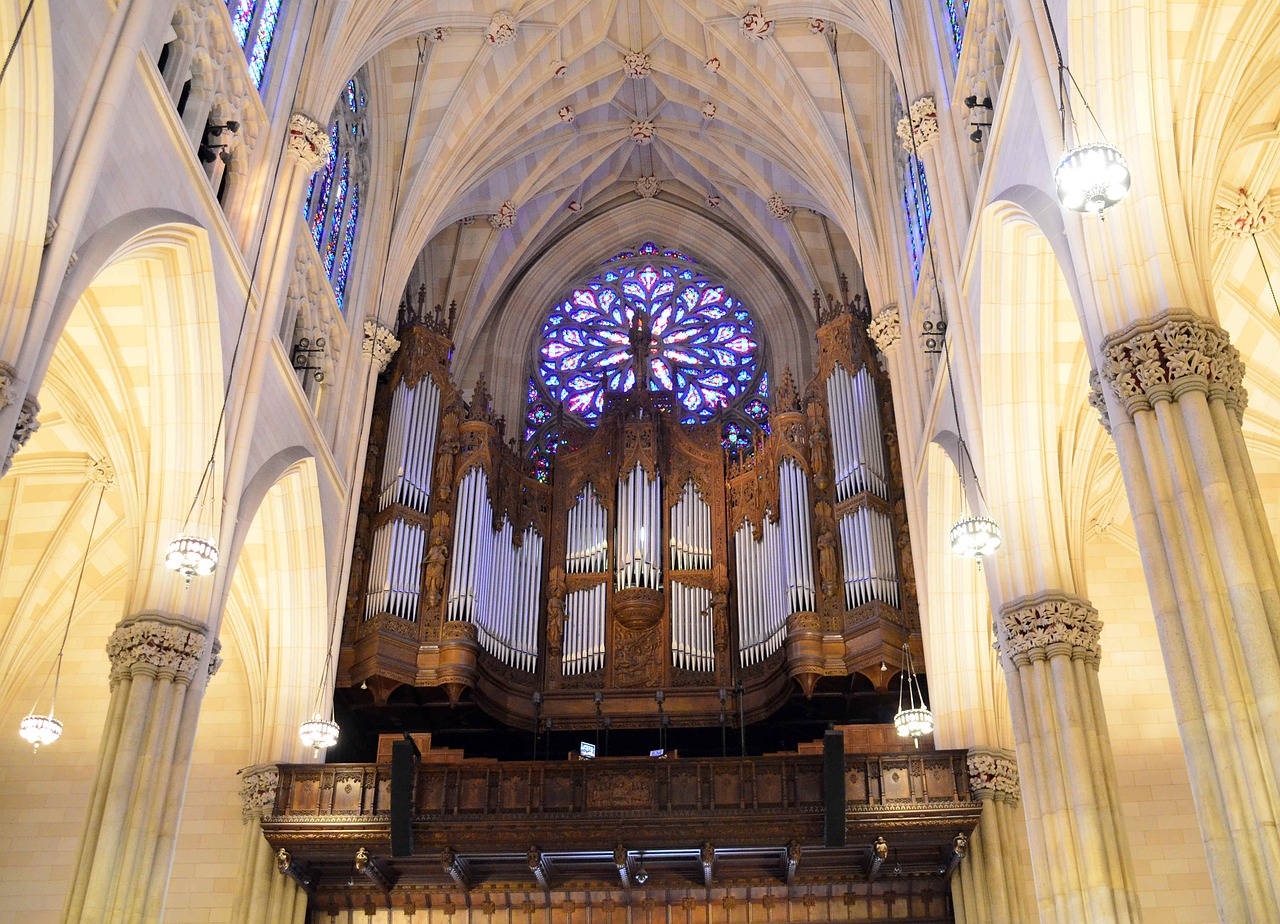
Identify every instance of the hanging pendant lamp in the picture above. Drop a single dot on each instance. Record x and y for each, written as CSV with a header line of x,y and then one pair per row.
x,y
913,719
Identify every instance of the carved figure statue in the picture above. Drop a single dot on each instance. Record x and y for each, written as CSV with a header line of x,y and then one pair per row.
x,y
828,569
436,557
556,588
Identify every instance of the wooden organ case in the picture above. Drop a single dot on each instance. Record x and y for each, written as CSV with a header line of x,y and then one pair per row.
x,y
652,569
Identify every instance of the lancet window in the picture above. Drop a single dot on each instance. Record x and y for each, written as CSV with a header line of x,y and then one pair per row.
x,y
254,24
918,211
699,342
954,13
332,205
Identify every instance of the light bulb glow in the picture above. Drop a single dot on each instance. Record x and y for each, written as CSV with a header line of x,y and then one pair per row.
x,y
1092,177
318,733
40,729
191,556
914,722
975,537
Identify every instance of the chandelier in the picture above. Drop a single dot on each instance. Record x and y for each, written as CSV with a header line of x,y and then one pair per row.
x,y
191,556
913,719
1092,177
975,537
37,728
318,733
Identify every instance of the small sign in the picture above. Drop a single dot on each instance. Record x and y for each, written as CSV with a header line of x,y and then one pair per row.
x,y
586,750
660,752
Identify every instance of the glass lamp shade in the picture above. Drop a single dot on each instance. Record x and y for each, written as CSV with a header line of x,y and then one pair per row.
x,y
191,556
40,729
1092,177
913,722
318,733
975,537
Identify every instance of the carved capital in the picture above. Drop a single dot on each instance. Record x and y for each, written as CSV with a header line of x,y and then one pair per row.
x,y
1244,216
380,344
8,385
886,328
778,208
502,29
993,774
505,217
27,425
1098,401
308,141
157,645
258,791
1162,358
922,122
1042,625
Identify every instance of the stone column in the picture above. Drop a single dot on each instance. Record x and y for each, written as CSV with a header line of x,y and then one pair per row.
x,y
158,663
1048,645
1212,572
263,895
988,884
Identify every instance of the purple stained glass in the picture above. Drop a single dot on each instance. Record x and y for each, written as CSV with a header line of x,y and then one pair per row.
x,y
735,436
262,41
348,245
757,410
702,342
956,11
322,201
241,19
351,96
339,203
919,210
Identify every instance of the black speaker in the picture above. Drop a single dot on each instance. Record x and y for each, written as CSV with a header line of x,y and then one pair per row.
x,y
404,768
832,788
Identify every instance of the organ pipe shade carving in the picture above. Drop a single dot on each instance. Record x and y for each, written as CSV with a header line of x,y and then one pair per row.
x,y
411,439
856,440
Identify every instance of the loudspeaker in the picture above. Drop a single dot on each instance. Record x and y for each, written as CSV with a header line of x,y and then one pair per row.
x,y
832,788
404,769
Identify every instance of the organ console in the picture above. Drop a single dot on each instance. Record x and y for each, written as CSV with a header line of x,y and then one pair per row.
x,y
646,558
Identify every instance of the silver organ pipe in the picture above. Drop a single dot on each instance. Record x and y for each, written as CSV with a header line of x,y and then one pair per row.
x,y
762,592
583,643
639,531
692,645
493,582
794,491
411,446
395,570
869,557
690,532
857,444
588,548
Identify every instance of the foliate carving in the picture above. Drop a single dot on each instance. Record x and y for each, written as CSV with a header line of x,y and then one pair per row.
x,y
380,344
1098,401
505,217
709,110
1027,628
713,201
438,34
1245,217
151,643
886,328
635,64
778,208
8,384
258,791
28,423
101,472
922,122
993,773
754,25
502,29
566,113
1160,358
648,186
308,141
642,131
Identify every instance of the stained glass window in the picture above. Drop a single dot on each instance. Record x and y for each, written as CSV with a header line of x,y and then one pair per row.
x,y
253,22
918,209
955,12
332,206
698,342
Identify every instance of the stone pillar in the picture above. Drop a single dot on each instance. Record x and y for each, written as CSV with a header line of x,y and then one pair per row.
x,y
988,886
158,663
1212,572
263,894
1048,645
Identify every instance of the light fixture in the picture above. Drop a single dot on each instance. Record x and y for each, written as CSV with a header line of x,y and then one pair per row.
x,y
318,733
1092,177
191,556
641,874
975,537
913,718
42,728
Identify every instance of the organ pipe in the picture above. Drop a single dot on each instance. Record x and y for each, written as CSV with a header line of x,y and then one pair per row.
x,y
584,631
869,558
856,438
762,597
588,549
794,495
411,441
690,531
692,644
394,570
639,530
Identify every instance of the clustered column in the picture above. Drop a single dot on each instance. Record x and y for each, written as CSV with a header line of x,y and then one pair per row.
x,y
988,885
263,895
158,662
1212,572
1048,645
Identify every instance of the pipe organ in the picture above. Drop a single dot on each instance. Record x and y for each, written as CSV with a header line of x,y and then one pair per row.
x,y
649,559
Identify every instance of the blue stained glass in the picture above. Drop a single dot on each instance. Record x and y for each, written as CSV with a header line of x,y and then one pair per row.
x,y
764,385
698,352
351,97
348,245
956,11
735,437
919,210
757,410
241,20
306,203
339,202
322,201
262,42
